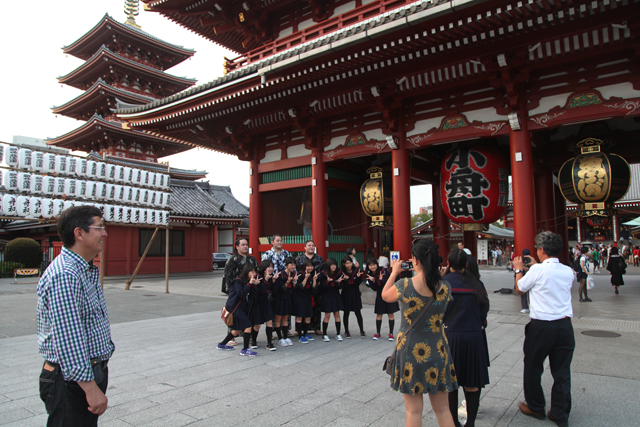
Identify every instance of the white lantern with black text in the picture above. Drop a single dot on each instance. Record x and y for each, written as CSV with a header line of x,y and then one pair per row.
x,y
35,207
24,182
70,187
58,207
81,188
101,170
144,181
167,200
128,194
47,208
166,219
22,205
128,175
159,199
11,156
119,193
101,207
137,176
3,148
61,165
49,163
127,215
152,180
24,159
68,204
10,180
159,219
37,161
119,173
9,204
48,185
135,216
143,216
152,198
101,191
110,213
136,196
82,167
144,197
36,184
59,187
111,192
72,166
151,216
92,169
91,190
111,172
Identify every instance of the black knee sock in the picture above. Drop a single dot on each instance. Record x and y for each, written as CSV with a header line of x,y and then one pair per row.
x,y
473,403
325,326
359,318
226,339
299,329
246,341
254,335
345,319
338,325
453,406
269,334
378,326
285,332
279,332
392,324
305,329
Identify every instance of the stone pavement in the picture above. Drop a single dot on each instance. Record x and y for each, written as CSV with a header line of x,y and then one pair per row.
x,y
167,372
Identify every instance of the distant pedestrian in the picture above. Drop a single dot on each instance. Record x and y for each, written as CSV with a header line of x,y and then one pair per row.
x,y
74,334
549,333
383,261
618,268
583,274
351,252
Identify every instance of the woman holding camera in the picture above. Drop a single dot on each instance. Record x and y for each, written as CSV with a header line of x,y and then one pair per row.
x,y
422,362
466,317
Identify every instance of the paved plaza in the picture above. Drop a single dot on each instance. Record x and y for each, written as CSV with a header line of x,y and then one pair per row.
x,y
167,372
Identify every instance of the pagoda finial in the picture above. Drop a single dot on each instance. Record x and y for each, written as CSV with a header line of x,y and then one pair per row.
x,y
131,9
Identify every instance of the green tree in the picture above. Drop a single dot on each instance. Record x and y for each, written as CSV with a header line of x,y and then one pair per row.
x,y
420,219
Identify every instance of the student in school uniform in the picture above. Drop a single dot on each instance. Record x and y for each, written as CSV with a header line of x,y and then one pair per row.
x,y
281,303
260,310
376,279
351,297
237,303
330,283
302,304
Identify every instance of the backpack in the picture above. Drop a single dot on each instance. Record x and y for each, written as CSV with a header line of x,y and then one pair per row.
x,y
577,267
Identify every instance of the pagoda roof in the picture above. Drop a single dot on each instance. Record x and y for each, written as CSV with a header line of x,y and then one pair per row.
x,y
92,135
107,28
102,63
176,173
96,99
201,199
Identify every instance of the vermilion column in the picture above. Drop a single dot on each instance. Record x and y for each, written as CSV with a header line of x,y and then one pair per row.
x,y
255,209
561,223
470,241
522,181
319,200
545,215
441,224
401,174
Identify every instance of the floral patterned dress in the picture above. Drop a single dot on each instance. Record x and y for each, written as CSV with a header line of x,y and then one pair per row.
x,y
423,361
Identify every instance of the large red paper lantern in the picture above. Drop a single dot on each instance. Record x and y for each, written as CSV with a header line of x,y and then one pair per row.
x,y
474,184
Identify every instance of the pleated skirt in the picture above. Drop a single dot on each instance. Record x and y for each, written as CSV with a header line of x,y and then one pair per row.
x,y
470,357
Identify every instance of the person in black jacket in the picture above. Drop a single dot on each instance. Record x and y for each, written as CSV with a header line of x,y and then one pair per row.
x,y
237,304
260,310
467,316
302,302
351,297
281,303
376,279
331,302
617,267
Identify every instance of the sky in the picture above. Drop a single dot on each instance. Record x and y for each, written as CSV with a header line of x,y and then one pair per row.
x,y
33,59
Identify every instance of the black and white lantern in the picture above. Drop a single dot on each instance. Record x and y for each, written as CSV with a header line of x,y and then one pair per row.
x,y
11,156
48,185
102,170
61,165
82,167
9,206
37,161
72,166
35,207
92,169
24,159
49,163
68,204
111,172
24,182
81,188
120,174
58,189
10,180
58,207
128,175
47,208
22,205
36,184
70,187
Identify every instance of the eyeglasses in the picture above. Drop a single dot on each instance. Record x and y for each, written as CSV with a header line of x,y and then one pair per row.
x,y
101,228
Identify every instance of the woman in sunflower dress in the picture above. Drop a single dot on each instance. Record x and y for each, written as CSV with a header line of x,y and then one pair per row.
x,y
465,333
423,362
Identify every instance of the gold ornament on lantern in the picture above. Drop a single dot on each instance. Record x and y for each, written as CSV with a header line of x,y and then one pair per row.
x,y
375,197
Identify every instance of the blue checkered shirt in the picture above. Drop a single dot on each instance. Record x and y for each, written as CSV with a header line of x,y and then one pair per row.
x,y
73,324
277,260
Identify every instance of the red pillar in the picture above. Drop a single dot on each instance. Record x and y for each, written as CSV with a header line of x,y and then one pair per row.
x,y
561,223
522,182
470,241
319,200
616,231
401,181
441,224
545,215
215,238
255,209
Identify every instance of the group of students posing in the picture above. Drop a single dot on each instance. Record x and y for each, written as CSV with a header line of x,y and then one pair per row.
x,y
264,296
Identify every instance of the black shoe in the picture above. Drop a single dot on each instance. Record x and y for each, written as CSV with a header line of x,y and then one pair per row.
x,y
588,300
362,334
581,300
347,335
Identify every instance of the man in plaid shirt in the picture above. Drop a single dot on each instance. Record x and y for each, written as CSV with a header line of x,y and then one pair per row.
x,y
74,336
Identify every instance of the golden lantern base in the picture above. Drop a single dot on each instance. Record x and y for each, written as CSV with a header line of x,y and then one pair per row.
x,y
381,221
472,227
586,210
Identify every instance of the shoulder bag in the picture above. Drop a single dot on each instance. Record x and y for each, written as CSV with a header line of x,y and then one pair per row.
x,y
227,316
390,361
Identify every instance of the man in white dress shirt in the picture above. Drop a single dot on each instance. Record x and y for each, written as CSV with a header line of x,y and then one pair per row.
x,y
549,332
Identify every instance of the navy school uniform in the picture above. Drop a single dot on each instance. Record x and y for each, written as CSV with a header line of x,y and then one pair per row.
x,y
238,297
260,310
281,294
465,333
381,306
330,298
302,303
351,298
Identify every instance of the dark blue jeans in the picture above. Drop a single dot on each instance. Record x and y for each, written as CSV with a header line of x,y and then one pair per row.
x,y
65,401
553,339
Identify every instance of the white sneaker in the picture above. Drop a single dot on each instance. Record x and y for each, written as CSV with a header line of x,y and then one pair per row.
x,y
282,343
524,310
289,341
339,337
325,338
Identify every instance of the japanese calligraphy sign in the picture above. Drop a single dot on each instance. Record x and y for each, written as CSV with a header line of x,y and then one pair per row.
x,y
474,185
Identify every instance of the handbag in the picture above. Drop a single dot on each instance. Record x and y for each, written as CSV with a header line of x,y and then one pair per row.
x,y
390,361
227,316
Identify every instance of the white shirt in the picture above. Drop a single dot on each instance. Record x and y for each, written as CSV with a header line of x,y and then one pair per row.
x,y
383,262
549,285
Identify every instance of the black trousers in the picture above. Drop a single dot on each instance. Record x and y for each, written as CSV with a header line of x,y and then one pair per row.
x,y
65,401
553,339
